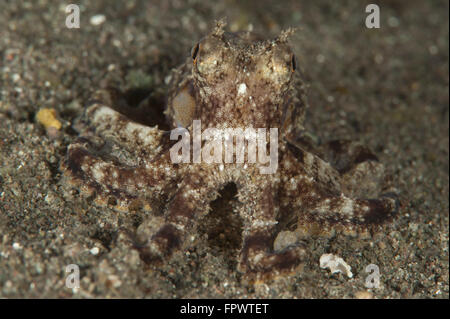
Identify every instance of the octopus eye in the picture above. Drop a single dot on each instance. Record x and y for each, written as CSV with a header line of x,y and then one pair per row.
x,y
194,52
293,63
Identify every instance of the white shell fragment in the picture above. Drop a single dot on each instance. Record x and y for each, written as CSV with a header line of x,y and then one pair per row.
x,y
336,264
97,19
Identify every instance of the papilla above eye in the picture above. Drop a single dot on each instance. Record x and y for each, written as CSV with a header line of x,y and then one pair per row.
x,y
293,62
194,51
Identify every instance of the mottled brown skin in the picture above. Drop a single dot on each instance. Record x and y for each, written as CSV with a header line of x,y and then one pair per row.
x,y
209,87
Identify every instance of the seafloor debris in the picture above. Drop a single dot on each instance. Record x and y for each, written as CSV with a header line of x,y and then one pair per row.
x,y
336,264
47,117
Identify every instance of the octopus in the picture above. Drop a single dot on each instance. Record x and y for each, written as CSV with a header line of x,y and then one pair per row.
x,y
231,80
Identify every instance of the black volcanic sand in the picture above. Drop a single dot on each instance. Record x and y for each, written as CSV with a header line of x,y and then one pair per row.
x,y
386,87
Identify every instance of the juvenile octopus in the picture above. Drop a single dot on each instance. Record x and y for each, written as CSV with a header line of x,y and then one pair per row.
x,y
231,80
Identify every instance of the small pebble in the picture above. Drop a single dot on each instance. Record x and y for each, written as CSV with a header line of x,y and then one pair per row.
x,y
284,239
363,295
47,117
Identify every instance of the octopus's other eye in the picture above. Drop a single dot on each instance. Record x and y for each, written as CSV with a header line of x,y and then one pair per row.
x,y
293,63
194,52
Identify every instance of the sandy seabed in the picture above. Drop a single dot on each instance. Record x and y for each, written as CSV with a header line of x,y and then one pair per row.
x,y
386,87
